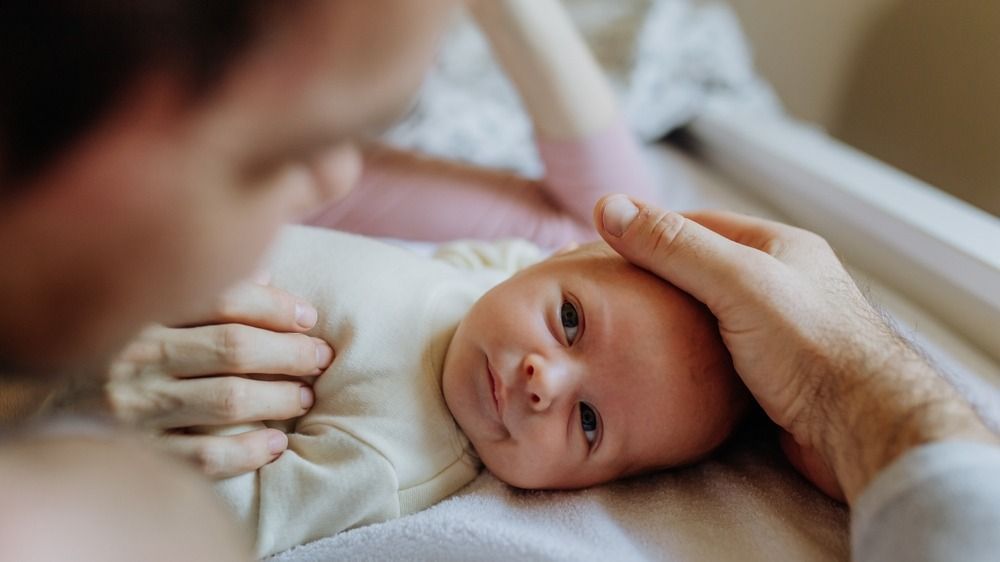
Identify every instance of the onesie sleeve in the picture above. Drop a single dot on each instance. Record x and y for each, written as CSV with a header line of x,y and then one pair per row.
x,y
938,502
324,483
404,195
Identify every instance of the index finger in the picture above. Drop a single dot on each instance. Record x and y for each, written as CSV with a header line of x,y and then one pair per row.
x,y
699,261
262,306
234,349
745,229
789,244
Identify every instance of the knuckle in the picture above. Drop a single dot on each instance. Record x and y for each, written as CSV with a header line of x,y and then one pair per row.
x,y
776,246
234,346
141,406
233,397
664,229
210,458
139,356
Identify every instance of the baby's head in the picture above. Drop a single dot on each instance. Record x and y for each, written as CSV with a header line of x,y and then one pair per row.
x,y
584,368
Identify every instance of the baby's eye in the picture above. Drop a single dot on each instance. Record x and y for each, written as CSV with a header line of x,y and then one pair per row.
x,y
570,320
588,420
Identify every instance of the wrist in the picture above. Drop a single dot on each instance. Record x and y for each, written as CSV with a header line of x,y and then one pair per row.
x,y
881,405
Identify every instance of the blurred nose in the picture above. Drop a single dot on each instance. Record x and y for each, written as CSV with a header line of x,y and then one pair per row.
x,y
546,379
308,187
337,170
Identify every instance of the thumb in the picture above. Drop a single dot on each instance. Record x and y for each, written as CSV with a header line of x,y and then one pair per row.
x,y
698,261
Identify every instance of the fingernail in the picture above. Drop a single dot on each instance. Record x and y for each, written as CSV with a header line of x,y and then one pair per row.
x,y
305,315
619,213
277,442
324,354
306,397
262,277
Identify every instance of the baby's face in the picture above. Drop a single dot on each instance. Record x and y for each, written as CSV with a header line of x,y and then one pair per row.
x,y
583,369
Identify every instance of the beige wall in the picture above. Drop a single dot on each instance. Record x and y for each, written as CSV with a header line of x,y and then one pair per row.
x,y
913,82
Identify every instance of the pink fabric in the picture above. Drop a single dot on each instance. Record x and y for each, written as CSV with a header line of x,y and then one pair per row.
x,y
404,195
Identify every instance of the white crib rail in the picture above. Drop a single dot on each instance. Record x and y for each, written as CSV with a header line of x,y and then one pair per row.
x,y
936,249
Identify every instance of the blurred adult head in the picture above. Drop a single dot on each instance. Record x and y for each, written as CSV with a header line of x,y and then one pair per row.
x,y
149,150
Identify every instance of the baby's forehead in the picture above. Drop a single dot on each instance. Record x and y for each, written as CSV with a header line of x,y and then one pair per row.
x,y
590,255
598,261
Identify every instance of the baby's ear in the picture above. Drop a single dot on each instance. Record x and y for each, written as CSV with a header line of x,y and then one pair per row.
x,y
811,466
566,248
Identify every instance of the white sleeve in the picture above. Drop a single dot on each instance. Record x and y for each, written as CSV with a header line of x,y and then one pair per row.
x,y
937,502
324,483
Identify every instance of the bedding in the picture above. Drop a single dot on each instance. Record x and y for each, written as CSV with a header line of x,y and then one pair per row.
x,y
745,503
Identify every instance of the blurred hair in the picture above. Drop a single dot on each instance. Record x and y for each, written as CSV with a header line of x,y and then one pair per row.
x,y
67,63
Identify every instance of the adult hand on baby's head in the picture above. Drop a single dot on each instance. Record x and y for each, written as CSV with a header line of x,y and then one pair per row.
x,y
816,355
779,292
170,379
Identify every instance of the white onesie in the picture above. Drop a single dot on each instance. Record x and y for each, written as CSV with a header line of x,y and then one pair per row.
x,y
379,441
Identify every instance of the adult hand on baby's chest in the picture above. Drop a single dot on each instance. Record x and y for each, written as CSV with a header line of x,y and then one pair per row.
x,y
170,379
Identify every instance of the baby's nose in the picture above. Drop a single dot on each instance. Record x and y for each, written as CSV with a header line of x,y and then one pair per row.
x,y
546,380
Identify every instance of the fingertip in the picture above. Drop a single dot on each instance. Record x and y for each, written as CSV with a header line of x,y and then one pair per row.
x,y
634,228
613,215
324,354
277,441
306,397
305,315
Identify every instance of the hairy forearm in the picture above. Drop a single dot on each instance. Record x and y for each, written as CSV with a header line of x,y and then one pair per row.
x,y
880,402
562,86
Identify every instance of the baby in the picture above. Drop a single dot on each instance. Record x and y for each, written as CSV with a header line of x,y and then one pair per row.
x,y
577,370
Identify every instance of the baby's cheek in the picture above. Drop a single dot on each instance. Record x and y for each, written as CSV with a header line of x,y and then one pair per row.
x,y
503,462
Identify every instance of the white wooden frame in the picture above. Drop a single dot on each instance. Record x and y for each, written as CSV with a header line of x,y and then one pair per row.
x,y
932,247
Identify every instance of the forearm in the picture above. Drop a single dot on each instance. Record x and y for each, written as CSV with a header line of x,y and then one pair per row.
x,y
560,83
883,402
